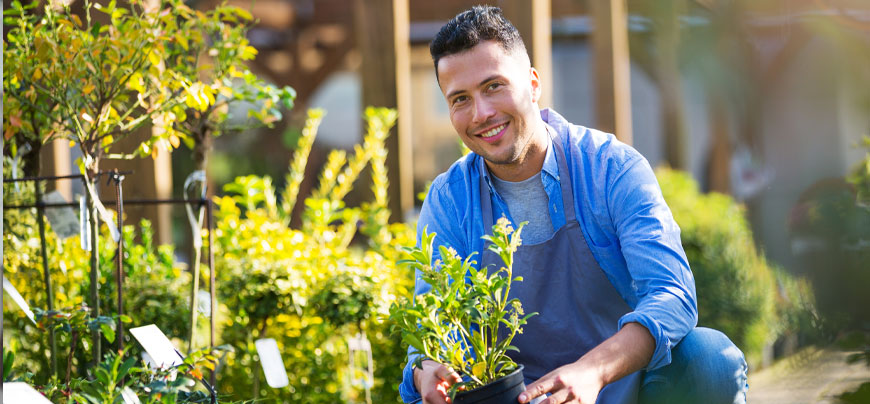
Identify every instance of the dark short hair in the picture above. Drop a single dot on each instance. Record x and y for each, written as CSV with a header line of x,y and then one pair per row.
x,y
471,27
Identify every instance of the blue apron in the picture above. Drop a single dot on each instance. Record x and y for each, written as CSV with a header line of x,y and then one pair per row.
x,y
578,306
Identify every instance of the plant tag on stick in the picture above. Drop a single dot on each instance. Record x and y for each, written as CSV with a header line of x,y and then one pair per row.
x,y
18,299
129,396
84,229
158,346
273,365
20,392
63,220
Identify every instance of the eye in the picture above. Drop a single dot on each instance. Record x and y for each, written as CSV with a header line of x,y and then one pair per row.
x,y
493,86
459,99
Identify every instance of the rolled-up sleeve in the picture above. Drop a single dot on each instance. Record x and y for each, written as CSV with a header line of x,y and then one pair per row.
x,y
407,390
661,281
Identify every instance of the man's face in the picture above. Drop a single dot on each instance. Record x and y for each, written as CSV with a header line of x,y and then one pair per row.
x,y
492,96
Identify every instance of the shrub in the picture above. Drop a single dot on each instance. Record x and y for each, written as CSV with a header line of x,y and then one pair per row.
x,y
154,291
738,290
312,287
830,235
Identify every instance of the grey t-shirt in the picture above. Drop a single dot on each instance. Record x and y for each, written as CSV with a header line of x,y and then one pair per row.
x,y
527,201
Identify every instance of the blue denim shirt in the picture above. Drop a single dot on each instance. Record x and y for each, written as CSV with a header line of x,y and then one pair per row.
x,y
625,220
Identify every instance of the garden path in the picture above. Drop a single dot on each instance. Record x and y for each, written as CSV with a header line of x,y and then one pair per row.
x,y
811,376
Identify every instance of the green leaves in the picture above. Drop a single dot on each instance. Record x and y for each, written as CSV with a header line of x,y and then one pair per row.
x,y
313,281
457,321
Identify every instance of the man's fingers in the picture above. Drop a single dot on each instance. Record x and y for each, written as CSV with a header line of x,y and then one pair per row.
x,y
558,397
437,396
447,374
542,386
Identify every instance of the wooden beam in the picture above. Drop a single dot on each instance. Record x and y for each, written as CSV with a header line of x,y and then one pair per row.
x,y
383,29
533,19
613,85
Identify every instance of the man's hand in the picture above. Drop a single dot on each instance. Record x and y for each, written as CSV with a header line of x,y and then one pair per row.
x,y
572,383
433,381
627,351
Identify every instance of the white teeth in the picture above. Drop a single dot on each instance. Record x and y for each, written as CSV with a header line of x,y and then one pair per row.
x,y
494,131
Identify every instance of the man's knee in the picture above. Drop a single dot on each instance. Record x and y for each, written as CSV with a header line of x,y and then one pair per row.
x,y
713,361
706,345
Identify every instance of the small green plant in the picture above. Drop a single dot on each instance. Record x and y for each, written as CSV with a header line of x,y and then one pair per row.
x,y
77,322
457,322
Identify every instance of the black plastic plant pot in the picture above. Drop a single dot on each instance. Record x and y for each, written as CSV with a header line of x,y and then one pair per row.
x,y
502,391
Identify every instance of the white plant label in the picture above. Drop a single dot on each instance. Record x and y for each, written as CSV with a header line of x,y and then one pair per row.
x,y
84,229
273,365
63,220
20,392
129,396
158,346
18,299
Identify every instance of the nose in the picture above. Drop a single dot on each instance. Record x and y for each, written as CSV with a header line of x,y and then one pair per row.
x,y
483,110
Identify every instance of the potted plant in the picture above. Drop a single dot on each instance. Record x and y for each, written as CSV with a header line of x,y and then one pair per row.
x,y
457,322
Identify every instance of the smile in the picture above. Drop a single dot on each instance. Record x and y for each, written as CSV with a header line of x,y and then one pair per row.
x,y
494,133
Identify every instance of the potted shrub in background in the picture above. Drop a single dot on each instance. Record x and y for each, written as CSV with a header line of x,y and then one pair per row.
x,y
457,321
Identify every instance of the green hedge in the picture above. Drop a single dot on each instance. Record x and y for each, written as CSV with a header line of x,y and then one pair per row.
x,y
739,292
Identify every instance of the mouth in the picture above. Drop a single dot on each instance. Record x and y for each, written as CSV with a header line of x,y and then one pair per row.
x,y
494,134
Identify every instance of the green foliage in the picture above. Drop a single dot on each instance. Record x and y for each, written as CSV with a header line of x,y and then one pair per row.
x,y
152,63
153,288
830,235
117,376
737,288
457,322
87,98
860,175
311,287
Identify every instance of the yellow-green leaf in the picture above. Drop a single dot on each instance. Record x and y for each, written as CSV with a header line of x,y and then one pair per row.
x,y
182,40
243,13
136,82
88,88
154,58
478,369
249,53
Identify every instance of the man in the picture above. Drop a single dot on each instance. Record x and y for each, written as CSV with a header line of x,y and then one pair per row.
x,y
601,257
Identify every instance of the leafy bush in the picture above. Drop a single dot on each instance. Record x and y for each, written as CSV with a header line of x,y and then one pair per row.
x,y
154,283
310,288
830,235
738,290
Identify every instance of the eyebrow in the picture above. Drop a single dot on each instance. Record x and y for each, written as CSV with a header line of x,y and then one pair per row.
x,y
482,82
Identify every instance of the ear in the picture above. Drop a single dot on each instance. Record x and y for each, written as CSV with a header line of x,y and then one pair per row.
x,y
535,81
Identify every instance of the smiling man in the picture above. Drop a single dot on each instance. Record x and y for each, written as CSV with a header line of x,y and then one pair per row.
x,y
601,257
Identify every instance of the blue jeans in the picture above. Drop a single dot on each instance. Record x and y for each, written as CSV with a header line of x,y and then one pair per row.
x,y
706,367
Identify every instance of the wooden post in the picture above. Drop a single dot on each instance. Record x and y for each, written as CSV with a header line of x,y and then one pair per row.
x,y
533,19
55,160
613,86
383,31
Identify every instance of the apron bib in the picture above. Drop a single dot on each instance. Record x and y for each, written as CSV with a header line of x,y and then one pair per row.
x,y
578,308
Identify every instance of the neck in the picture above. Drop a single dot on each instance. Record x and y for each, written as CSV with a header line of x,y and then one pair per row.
x,y
531,159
